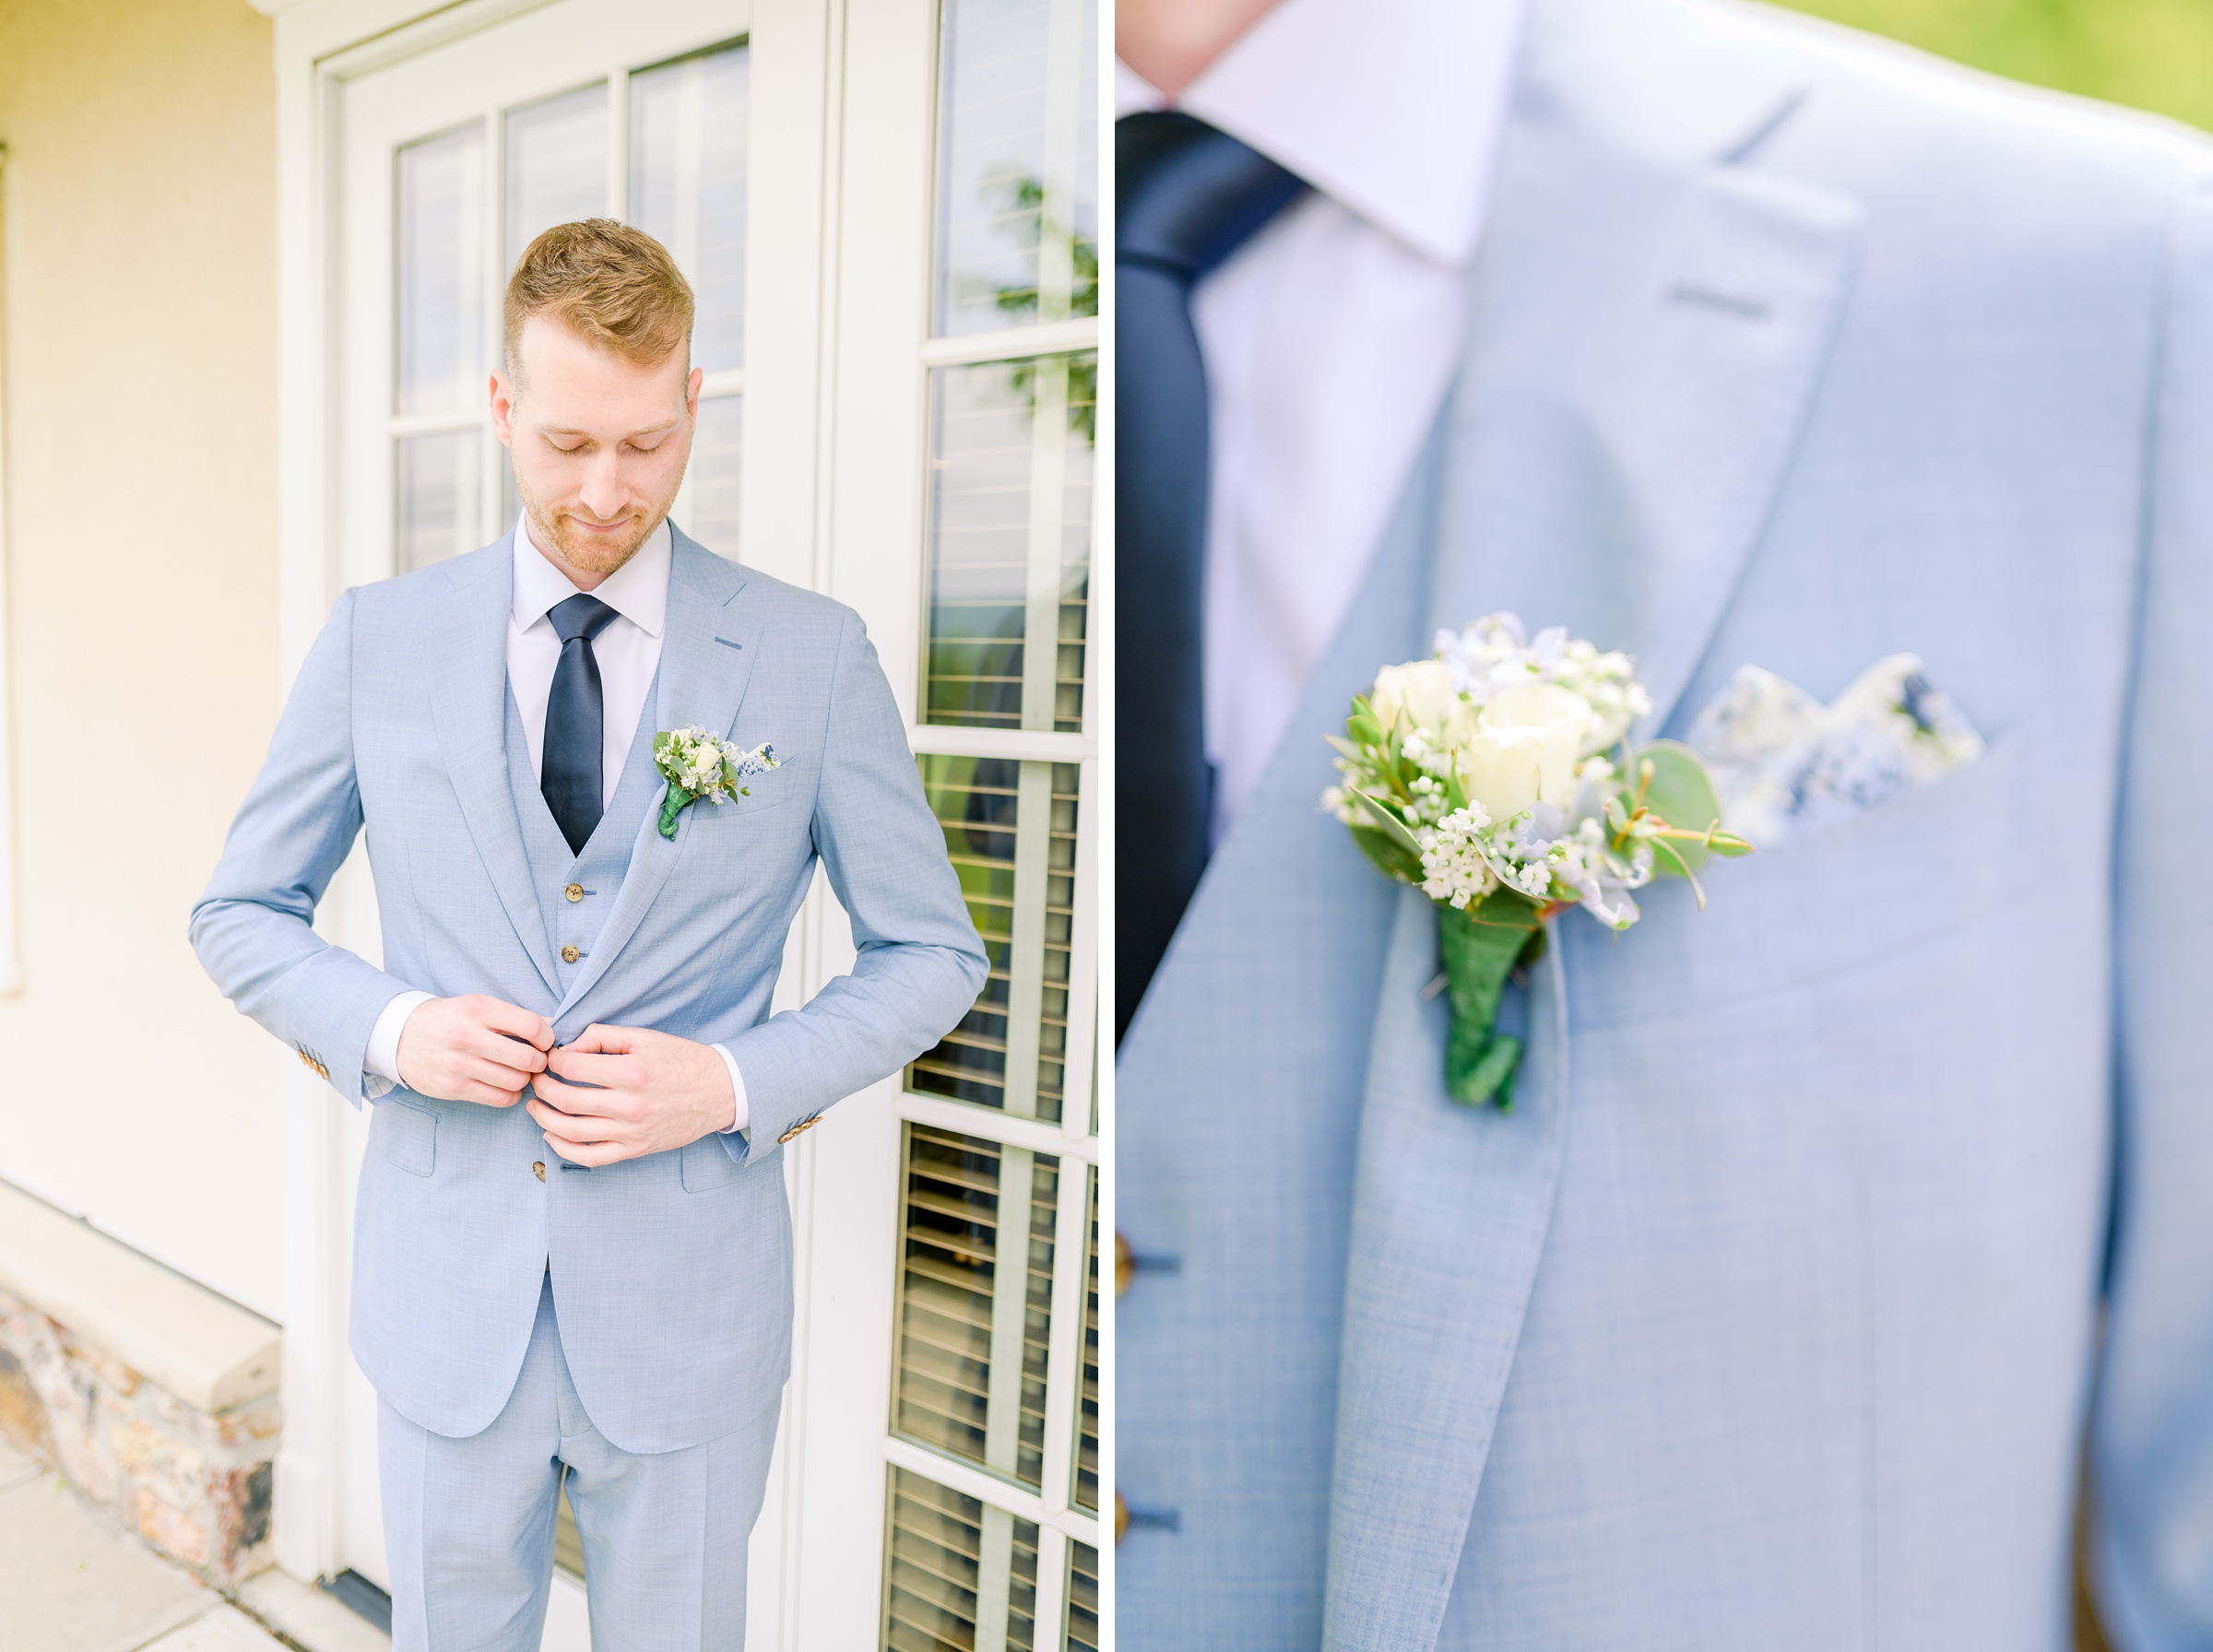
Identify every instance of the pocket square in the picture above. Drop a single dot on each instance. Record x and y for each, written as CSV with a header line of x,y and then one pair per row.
x,y
1781,760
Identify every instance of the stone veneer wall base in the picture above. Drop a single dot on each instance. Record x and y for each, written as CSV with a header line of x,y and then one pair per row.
x,y
191,1473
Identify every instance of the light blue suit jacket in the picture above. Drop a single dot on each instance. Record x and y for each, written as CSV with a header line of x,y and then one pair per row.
x,y
1770,1315
671,1273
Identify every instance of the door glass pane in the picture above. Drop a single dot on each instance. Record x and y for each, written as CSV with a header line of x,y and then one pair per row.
x,y
439,514
1056,947
1011,832
1082,1630
975,1291
687,187
1087,1428
715,475
1017,199
975,799
959,1574
556,165
1009,542
440,240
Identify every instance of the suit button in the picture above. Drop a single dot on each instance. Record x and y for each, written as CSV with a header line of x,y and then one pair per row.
x,y
538,1170
1125,1264
570,954
574,891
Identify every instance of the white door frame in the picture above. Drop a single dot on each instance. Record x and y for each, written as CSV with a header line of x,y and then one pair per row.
x,y
320,44
852,103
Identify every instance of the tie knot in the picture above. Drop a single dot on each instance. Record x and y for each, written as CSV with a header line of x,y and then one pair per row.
x,y
1187,195
579,616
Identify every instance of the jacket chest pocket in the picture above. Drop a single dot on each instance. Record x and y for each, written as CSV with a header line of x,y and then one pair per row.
x,y
1836,897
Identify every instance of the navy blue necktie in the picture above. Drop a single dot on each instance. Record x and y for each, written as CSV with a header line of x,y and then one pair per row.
x,y
1187,197
572,775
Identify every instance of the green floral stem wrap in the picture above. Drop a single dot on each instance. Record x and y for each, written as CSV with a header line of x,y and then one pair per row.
x,y
1479,946
672,806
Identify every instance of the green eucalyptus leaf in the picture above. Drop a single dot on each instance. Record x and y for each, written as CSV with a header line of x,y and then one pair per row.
x,y
1681,793
1388,819
1387,853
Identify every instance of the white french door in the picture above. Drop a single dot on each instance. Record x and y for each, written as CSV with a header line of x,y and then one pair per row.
x,y
887,209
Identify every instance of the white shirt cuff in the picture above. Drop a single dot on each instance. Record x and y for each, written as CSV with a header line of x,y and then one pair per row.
x,y
745,1115
380,1061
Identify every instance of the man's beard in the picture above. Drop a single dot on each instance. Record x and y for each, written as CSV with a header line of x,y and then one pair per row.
x,y
590,553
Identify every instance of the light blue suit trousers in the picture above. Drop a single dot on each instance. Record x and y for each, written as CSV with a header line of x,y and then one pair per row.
x,y
468,1523
1771,1315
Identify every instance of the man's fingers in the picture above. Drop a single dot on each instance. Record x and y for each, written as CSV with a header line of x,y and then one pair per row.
x,y
504,1048
583,1101
525,1025
581,1067
497,1074
590,1149
571,1126
485,1095
597,1040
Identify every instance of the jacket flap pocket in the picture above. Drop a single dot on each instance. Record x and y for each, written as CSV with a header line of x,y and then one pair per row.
x,y
406,1134
708,1164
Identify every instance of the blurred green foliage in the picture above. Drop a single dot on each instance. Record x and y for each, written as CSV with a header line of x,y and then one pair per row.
x,y
2155,55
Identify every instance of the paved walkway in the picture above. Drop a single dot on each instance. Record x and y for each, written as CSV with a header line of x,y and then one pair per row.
x,y
70,1582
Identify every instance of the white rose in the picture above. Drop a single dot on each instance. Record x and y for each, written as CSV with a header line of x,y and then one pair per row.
x,y
1523,749
1422,693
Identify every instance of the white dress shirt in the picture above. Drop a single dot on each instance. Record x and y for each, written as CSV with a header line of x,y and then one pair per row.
x,y
628,650
1333,336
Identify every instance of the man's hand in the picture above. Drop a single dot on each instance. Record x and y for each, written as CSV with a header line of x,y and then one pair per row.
x,y
473,1049
655,1092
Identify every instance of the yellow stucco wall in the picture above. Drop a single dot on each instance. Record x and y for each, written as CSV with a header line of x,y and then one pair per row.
x,y
140,489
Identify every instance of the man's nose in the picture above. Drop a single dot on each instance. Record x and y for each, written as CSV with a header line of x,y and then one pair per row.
x,y
604,492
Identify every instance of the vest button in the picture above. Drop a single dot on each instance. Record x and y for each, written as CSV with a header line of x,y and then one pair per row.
x,y
570,954
538,1170
574,891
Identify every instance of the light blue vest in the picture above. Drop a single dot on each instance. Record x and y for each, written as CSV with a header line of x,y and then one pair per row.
x,y
601,869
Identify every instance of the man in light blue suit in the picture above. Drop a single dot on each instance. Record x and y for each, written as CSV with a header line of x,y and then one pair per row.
x,y
595,1282
1770,1315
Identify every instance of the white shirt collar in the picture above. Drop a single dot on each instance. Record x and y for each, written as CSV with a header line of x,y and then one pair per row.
x,y
1393,108
638,590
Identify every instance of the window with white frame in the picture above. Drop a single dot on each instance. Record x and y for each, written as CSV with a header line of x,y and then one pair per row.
x,y
992,1506
662,147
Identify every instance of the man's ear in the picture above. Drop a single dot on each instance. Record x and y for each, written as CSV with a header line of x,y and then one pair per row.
x,y
503,396
699,377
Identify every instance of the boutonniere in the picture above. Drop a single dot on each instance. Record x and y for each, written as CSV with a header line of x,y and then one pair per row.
x,y
698,764
1495,777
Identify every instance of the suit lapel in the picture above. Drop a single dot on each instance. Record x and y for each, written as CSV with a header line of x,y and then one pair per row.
x,y
468,703
708,646
1650,322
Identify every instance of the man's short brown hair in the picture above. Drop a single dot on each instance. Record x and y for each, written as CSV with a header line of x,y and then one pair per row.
x,y
610,285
